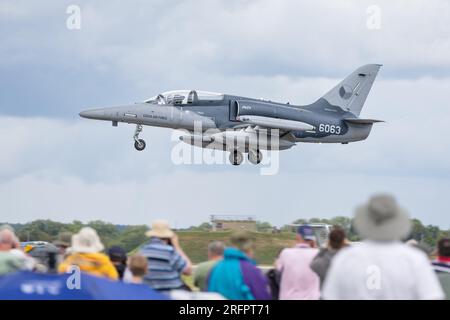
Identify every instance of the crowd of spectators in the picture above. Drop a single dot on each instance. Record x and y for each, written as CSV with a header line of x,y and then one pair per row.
x,y
382,266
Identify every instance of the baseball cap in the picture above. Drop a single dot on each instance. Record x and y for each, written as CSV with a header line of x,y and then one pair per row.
x,y
117,254
306,232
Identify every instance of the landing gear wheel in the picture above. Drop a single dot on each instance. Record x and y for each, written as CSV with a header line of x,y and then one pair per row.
x,y
255,156
139,144
236,157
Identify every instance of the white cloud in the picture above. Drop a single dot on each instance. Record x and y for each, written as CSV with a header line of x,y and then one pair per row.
x,y
166,40
272,37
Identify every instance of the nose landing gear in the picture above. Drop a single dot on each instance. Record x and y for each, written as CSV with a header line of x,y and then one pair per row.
x,y
139,144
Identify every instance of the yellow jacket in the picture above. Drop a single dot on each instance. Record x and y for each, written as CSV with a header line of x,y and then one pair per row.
x,y
97,264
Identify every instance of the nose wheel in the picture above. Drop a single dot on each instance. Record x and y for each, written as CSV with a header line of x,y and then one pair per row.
x,y
139,144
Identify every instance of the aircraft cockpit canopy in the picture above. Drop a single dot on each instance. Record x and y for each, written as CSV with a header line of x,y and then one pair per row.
x,y
179,97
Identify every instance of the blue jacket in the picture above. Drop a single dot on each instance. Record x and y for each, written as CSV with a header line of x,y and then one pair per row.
x,y
236,277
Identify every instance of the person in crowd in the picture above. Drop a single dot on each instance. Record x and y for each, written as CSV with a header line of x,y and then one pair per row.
x,y
167,261
138,267
86,254
10,259
236,275
381,267
118,257
63,242
215,253
274,279
298,281
321,262
442,265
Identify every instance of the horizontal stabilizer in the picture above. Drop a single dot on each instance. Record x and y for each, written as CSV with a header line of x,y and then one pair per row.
x,y
275,123
362,121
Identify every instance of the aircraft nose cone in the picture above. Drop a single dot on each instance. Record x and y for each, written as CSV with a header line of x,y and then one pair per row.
x,y
84,114
92,114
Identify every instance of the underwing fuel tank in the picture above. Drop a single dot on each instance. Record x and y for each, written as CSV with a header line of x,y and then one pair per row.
x,y
241,139
276,123
196,139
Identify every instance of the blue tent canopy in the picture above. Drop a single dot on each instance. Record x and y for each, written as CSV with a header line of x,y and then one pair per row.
x,y
27,285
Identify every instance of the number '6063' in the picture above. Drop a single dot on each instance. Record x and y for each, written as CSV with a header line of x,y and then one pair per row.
x,y
329,128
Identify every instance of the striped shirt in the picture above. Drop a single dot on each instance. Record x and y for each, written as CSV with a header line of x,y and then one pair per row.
x,y
442,269
165,265
441,266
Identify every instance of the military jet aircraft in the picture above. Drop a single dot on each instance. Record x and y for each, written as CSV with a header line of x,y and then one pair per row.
x,y
233,123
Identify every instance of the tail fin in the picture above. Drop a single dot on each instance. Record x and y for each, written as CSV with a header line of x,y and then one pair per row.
x,y
351,93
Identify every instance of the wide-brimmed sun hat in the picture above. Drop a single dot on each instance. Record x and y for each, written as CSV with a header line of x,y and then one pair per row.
x,y
160,229
86,241
381,219
64,239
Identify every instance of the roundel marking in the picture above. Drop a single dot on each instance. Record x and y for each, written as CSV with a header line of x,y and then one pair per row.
x,y
345,92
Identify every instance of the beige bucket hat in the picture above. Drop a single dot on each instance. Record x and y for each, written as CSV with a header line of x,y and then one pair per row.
x,y
160,229
86,241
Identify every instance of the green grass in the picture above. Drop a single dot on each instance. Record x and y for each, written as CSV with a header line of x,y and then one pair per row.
x,y
268,245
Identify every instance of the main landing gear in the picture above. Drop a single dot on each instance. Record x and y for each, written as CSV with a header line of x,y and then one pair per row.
x,y
254,157
236,157
139,144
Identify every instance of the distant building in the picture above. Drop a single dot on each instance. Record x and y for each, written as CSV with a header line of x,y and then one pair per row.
x,y
233,222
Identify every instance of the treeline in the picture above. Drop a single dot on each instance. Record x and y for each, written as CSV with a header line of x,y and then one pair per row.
x,y
131,236
128,237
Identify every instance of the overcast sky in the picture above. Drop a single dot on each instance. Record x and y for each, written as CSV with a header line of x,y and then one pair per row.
x,y
56,165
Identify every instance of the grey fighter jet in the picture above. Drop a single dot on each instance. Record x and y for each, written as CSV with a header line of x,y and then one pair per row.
x,y
234,124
